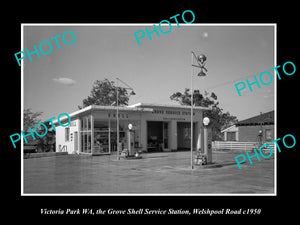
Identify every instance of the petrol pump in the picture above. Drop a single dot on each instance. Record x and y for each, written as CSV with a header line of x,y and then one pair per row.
x,y
204,145
130,139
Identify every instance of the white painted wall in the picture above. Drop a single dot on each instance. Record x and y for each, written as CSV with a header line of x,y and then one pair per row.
x,y
140,119
60,137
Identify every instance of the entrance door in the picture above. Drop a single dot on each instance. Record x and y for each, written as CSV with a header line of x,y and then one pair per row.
x,y
184,135
154,136
113,141
165,135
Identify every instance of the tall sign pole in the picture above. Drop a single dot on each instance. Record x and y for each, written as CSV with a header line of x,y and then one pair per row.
x,y
201,60
118,131
192,99
118,127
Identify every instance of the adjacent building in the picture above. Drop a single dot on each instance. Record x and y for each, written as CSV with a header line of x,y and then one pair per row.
x,y
248,130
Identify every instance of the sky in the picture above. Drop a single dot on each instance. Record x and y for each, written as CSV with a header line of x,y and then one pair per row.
x,y
58,82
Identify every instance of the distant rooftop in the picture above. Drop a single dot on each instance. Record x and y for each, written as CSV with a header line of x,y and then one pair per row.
x,y
264,119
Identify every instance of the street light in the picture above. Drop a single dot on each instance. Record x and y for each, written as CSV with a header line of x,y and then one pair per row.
x,y
201,61
118,130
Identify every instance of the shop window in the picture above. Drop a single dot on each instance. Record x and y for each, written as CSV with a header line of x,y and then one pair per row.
x,y
86,123
89,123
231,136
187,133
86,142
101,136
86,134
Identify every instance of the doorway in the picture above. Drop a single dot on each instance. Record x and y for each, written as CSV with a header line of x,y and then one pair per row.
x,y
184,135
157,136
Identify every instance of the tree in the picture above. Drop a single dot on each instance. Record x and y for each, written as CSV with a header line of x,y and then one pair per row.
x,y
219,119
44,143
47,142
105,93
30,119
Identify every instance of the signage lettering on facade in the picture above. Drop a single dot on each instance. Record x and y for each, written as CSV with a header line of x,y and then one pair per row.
x,y
171,112
183,119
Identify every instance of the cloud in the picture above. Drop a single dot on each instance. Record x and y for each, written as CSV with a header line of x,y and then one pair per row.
x,y
65,81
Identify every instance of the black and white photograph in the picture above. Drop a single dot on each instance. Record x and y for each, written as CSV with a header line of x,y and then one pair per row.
x,y
150,112
104,114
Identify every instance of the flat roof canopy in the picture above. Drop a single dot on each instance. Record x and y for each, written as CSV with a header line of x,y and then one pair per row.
x,y
139,107
167,106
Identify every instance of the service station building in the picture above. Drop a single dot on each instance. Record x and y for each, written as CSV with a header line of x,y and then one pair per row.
x,y
154,127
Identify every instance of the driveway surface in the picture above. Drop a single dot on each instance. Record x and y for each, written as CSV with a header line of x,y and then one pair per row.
x,y
155,173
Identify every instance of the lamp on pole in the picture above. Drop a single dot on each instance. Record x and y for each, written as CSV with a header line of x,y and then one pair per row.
x,y
201,60
118,129
261,130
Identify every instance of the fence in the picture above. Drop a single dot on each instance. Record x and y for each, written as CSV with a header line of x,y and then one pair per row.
x,y
238,146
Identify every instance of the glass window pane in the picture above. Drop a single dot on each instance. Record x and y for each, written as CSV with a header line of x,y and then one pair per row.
x,y
85,142
83,123
67,134
89,123
101,141
86,123
89,142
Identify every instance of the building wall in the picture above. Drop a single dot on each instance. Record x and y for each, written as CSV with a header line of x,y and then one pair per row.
x,y
143,134
173,135
249,133
173,116
61,143
231,129
139,119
